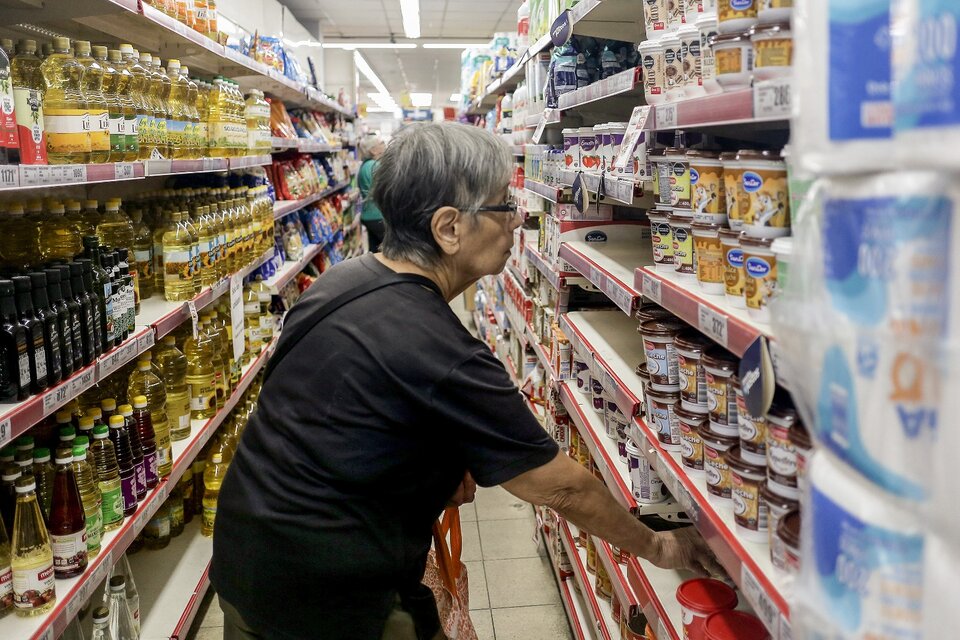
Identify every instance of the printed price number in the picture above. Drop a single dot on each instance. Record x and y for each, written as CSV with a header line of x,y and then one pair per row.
x,y
761,602
82,382
666,115
786,633
712,323
146,340
9,176
56,398
541,125
194,317
651,288
6,432
622,298
74,173
48,634
123,171
772,99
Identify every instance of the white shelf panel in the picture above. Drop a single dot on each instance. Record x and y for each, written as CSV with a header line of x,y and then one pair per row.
x,y
291,268
283,208
599,617
610,265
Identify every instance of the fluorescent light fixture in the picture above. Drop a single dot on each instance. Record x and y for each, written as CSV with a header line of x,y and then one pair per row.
x,y
456,97
365,69
421,99
380,110
369,45
383,100
455,45
410,10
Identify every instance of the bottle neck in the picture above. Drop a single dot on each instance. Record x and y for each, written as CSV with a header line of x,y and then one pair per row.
x,y
25,303
40,300
55,293
7,307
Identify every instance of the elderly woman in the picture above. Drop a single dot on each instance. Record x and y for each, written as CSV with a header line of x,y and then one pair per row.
x,y
371,148
377,409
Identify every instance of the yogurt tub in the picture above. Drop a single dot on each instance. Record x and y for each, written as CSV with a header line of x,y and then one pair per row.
x,y
663,417
736,16
715,447
571,149
679,178
589,154
772,50
683,252
672,66
733,56
582,372
661,238
734,625
765,208
691,445
675,11
654,80
749,511
707,197
602,133
803,446
663,183
709,257
788,538
760,276
655,16
777,507
699,598
733,276
690,61
658,347
781,453
753,432
644,376
731,188
646,485
707,25
775,11
696,8
610,421
720,367
782,249
617,131
690,346
596,391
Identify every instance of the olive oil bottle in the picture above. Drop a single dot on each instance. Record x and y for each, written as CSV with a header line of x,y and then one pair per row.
x,y
99,112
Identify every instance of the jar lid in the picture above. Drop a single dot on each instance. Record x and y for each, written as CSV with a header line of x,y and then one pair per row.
x,y
694,420
730,234
776,500
706,228
735,461
643,372
788,529
676,152
650,311
800,437
721,359
734,625
662,327
692,341
703,153
717,440
728,156
660,214
678,220
730,38
758,154
782,412
706,595
669,397
760,243
776,28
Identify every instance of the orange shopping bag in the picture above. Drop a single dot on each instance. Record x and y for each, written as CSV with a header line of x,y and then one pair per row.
x,y
446,576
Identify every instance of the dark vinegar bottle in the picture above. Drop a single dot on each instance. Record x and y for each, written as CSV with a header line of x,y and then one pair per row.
x,y
51,332
85,314
128,475
71,357
15,376
97,304
148,439
35,342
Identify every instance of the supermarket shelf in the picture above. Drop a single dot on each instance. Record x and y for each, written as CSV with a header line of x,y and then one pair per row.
x,y
572,604
546,191
608,341
626,84
517,150
250,161
200,165
616,19
303,145
552,118
510,78
598,615
172,582
291,268
73,593
24,176
282,208
738,107
556,278
615,188
609,266
622,589
602,450
656,590
732,328
747,563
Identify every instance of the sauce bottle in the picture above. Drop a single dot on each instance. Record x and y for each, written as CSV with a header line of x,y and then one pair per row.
x,y
128,482
144,429
51,330
139,463
90,496
67,522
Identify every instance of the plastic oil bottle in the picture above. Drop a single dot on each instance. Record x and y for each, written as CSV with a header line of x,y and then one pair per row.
x,y
90,496
140,94
9,138
108,477
163,95
251,324
115,229
92,86
34,592
257,114
116,119
16,242
203,119
130,102
212,480
221,372
66,119
178,122
218,120
59,236
158,122
219,328
142,254
193,113
178,247
28,103
144,382
201,376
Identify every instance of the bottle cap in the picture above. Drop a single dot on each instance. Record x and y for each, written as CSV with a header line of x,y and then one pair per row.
x,y
117,583
24,443
140,402
6,287
82,441
64,456
125,410
53,276
21,284
108,404
100,431
82,47
126,48
79,453
101,615
61,44
7,453
100,52
67,432
216,458
91,204
26,484
93,412
143,365
64,417
41,454
10,473
114,55
116,422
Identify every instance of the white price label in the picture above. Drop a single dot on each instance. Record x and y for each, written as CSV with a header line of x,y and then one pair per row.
x,y
662,629
761,602
77,600
786,633
48,634
146,340
56,398
194,317
541,125
665,115
597,277
82,382
117,359
236,315
212,164
771,98
621,297
30,175
777,359
74,173
9,176
712,323
6,432
123,171
651,288
620,82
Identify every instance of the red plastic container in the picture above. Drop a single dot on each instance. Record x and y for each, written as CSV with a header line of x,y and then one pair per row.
x,y
734,625
699,598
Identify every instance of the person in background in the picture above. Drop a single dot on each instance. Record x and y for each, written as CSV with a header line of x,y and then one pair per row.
x,y
371,148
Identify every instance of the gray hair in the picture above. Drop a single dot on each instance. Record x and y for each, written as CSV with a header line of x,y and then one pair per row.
x,y
428,166
367,145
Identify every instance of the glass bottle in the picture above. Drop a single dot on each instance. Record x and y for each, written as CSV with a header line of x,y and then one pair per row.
x,y
9,475
67,521
81,309
94,293
51,331
6,573
91,498
128,290
73,630
36,346
212,480
101,624
108,477
201,376
136,448
103,286
34,592
65,113
14,345
43,473
128,475
71,352
91,84
143,426
122,625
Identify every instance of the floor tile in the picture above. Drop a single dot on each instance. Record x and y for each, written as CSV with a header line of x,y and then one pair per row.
x,y
531,623
520,582
214,614
471,542
209,633
468,513
506,539
483,624
478,585
496,503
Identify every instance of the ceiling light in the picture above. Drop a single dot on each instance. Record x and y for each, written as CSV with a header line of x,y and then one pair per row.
x,y
380,110
421,99
365,69
456,97
455,45
410,10
369,45
383,100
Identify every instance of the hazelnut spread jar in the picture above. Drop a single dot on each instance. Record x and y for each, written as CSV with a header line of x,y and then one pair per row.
x,y
720,367
690,346
658,339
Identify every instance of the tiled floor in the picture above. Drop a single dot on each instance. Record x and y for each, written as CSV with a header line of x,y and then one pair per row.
x,y
513,594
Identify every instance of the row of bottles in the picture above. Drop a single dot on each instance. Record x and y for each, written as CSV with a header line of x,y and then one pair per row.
x,y
199,15
90,104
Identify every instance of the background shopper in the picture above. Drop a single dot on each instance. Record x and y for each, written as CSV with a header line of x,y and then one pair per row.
x,y
371,148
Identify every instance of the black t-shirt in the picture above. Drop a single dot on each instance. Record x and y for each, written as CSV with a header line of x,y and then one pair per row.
x,y
361,435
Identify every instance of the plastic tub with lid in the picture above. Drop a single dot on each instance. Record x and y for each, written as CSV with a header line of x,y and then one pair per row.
x,y
699,598
683,252
589,153
663,417
655,17
661,237
707,24
720,366
733,56
715,447
707,196
734,625
691,61
690,346
679,178
733,277
709,257
777,507
772,50
571,149
765,204
654,80
662,189
732,172
696,8
788,535
612,140
775,11
760,276
736,16
646,485
691,444
749,511
658,347
672,66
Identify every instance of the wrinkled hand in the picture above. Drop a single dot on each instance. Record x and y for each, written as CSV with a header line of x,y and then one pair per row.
x,y
685,549
465,493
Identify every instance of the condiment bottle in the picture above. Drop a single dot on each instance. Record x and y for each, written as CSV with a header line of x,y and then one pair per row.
x,y
136,448
108,478
34,592
15,372
68,524
144,429
90,496
35,343
128,482
43,473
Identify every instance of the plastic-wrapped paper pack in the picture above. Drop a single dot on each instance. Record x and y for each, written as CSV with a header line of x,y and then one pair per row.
x,y
941,615
867,323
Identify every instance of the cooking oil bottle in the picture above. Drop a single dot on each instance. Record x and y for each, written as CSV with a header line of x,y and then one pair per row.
x,y
92,86
140,95
32,558
116,122
251,324
66,119
218,120
257,114
201,376
179,121
173,372
195,267
144,382
142,254
114,229
157,126
193,113
207,235
236,365
163,87
90,496
221,374
178,247
59,236
15,238
28,102
212,480
240,144
131,104
203,119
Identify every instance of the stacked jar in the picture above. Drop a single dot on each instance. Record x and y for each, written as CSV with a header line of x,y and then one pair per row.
x,y
753,42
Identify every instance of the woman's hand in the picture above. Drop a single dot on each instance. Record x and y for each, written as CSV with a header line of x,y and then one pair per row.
x,y
465,493
685,549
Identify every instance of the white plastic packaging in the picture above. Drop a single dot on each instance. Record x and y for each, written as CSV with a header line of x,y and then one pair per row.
x,y
654,82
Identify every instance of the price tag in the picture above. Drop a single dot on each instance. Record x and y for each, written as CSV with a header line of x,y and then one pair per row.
x,y
771,98
6,432
651,288
779,364
622,298
56,398
194,317
78,599
30,175
9,176
786,633
48,634
620,82
761,602
712,323
82,382
666,115
211,164
662,629
236,315
541,125
74,173
146,340
123,171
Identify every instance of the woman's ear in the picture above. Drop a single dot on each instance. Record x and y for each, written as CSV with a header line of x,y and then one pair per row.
x,y
448,225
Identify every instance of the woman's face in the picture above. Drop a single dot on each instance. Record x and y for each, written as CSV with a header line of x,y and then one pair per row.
x,y
487,247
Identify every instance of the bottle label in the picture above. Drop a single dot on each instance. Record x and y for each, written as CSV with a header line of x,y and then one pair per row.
x,y
69,551
140,475
23,364
176,516
177,133
8,128
203,140
150,469
158,527
112,506
66,339
39,358
209,516
33,588
203,396
160,131
6,587
108,302
164,453
144,127
144,258
100,131
176,265
68,130
132,133
28,109
94,530
128,490
118,132
207,254
53,341
257,111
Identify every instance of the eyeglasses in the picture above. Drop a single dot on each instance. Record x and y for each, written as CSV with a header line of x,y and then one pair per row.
x,y
510,206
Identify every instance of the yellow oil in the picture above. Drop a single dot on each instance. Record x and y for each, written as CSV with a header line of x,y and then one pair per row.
x,y
115,229
164,220
140,95
59,236
239,117
144,382
207,235
257,114
32,555
203,119
178,247
89,218
253,341
142,253
128,106
16,239
116,124
66,119
193,113
218,120
32,221
219,326
160,92
173,371
201,376
221,372
212,480
92,86
178,123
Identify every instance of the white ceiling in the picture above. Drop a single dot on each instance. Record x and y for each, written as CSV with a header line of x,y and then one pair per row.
x,y
423,70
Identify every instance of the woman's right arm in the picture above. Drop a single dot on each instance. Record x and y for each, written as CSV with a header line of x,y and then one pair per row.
x,y
574,493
